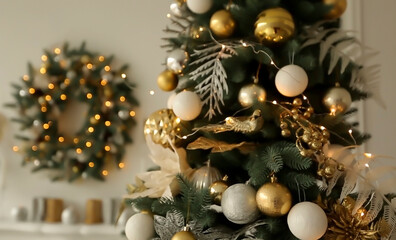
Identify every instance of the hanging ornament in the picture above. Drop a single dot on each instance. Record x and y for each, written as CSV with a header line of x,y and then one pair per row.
x,y
291,80
222,24
187,105
185,234
307,221
251,94
274,199
140,227
239,204
177,60
339,7
205,176
337,100
169,103
217,189
167,80
274,25
178,9
199,6
161,125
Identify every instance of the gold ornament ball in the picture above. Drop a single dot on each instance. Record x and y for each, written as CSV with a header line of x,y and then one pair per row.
x,y
251,94
222,24
274,25
184,235
167,80
161,125
274,199
339,7
217,189
337,100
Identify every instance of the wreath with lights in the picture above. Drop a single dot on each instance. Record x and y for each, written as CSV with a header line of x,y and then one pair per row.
x,y
79,76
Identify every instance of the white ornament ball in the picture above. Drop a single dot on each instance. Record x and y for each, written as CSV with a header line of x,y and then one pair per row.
x,y
199,6
307,221
187,105
239,204
140,227
169,103
69,216
291,80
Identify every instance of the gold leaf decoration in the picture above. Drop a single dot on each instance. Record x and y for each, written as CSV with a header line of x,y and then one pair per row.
x,y
215,145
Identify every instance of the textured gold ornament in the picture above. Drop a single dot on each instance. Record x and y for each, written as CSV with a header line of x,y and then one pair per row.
x,y
167,80
343,225
161,125
274,199
274,25
237,124
217,189
339,7
184,235
222,24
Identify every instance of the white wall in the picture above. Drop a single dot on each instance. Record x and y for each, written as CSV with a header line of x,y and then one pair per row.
x,y
129,29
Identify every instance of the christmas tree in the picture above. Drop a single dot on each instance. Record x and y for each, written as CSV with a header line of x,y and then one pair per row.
x,y
257,141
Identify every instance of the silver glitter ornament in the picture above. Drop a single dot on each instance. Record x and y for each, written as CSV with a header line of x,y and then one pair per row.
x,y
177,60
239,204
251,94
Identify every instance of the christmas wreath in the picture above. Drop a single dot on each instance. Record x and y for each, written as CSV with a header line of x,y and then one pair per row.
x,y
68,80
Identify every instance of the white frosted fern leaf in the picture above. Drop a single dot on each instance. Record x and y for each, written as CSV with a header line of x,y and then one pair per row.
x,y
212,75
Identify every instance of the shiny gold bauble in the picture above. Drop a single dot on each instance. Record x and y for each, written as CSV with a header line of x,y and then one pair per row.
x,y
251,94
161,125
337,100
217,189
339,7
222,24
274,25
274,199
167,80
184,235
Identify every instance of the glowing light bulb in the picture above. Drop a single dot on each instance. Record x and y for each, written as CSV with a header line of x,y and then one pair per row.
x,y
89,95
97,116
46,126
25,77
121,165
44,109
43,70
91,129
103,82
61,139
34,148
44,58
108,104
48,98
66,81
101,58
107,123
132,113
152,92
107,68
57,51
63,97
88,144
47,138
91,164
107,148
32,90
51,86
368,155
78,150
15,148
122,99
105,173
89,66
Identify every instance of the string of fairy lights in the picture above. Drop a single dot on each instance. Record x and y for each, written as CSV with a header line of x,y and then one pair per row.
x,y
84,77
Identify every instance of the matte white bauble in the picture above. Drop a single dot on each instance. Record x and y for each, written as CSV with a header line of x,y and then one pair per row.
x,y
291,80
19,214
187,105
307,221
169,103
199,6
239,204
140,227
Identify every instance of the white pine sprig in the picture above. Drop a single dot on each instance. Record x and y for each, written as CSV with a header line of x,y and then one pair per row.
x,y
346,49
212,88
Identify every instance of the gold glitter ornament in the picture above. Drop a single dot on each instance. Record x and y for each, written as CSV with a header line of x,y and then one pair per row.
x,y
161,125
222,24
274,25
274,199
